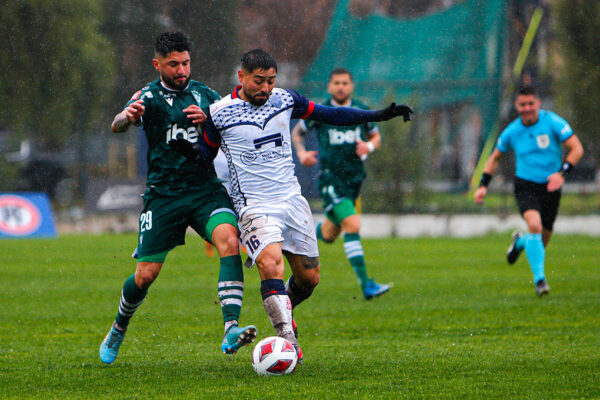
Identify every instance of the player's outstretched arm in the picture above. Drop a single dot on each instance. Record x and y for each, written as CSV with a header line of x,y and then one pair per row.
x,y
344,116
128,116
394,110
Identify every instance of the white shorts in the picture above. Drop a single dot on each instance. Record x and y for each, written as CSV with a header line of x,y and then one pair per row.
x,y
289,222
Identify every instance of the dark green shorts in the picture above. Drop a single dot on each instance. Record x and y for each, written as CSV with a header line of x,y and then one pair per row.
x,y
164,220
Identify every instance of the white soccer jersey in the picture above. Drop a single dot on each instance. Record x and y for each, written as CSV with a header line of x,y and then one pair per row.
x,y
257,144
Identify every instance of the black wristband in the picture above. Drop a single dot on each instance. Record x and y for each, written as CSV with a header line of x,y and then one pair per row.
x,y
565,168
485,179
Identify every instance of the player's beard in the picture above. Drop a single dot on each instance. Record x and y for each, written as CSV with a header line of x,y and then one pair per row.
x,y
173,85
258,102
340,100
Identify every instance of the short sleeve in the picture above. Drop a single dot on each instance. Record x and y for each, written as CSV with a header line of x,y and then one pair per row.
x,y
144,94
561,127
503,143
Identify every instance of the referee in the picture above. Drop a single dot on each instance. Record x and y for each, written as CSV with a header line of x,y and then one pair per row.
x,y
536,138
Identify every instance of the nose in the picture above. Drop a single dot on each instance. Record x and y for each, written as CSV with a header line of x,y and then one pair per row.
x,y
264,87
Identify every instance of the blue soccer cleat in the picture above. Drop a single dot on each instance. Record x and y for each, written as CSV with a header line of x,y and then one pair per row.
x,y
374,289
236,337
109,349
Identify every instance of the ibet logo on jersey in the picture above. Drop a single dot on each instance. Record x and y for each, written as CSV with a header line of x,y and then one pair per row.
x,y
340,137
190,134
25,215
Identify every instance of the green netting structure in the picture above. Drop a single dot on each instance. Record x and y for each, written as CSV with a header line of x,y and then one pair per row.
x,y
452,56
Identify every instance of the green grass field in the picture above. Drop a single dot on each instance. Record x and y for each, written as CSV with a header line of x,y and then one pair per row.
x,y
458,323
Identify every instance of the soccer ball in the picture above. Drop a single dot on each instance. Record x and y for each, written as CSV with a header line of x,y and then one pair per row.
x,y
274,356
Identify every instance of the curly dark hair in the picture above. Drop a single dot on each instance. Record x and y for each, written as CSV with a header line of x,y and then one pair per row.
x,y
168,42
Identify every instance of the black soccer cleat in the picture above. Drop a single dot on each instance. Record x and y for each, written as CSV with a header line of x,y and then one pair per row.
x,y
512,254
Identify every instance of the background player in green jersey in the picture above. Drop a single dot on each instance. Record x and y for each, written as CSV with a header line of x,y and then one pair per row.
x,y
177,194
342,151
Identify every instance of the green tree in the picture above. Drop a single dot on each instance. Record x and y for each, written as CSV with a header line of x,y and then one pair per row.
x,y
578,89
56,64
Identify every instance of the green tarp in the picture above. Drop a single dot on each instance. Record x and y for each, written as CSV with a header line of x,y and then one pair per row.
x,y
452,56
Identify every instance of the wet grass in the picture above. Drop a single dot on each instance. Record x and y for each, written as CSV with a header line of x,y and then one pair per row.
x,y
458,323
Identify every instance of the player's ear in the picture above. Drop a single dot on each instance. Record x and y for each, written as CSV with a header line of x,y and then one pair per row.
x,y
241,75
156,64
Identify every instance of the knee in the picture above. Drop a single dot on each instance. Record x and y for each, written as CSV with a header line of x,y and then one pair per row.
x,y
270,266
226,240
146,274
535,227
228,246
533,220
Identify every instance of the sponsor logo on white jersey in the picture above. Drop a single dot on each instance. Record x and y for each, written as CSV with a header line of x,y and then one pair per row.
x,y
219,104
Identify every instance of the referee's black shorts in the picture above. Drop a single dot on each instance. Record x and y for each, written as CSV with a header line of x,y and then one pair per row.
x,y
535,196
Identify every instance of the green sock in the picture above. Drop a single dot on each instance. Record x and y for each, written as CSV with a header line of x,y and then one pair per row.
x,y
356,256
231,288
131,298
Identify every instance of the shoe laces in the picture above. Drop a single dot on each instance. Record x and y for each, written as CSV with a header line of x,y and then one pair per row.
x,y
114,338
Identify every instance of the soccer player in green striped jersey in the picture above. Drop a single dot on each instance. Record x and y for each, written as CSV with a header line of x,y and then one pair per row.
x,y
342,151
178,194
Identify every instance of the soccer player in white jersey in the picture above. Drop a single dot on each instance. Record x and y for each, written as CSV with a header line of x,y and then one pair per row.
x,y
252,128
